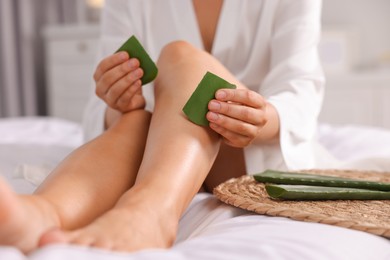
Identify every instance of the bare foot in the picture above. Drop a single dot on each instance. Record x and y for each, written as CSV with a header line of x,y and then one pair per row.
x,y
129,228
23,219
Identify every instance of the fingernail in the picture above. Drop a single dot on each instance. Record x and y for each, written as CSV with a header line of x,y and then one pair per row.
x,y
138,73
221,94
213,105
132,63
123,55
212,116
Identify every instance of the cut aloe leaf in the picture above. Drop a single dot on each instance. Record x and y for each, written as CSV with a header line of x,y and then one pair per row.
x,y
303,192
277,177
135,50
196,107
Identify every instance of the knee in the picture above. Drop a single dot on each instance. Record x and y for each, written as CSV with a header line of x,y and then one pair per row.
x,y
181,64
177,59
177,51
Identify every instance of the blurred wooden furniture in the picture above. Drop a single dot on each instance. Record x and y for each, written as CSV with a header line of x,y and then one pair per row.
x,y
70,61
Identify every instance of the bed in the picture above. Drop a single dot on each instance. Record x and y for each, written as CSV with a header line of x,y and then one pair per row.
x,y
209,229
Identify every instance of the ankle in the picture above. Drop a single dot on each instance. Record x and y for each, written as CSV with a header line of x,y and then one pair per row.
x,y
152,204
151,201
164,223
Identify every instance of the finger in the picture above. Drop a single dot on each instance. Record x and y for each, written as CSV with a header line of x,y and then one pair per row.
x,y
109,63
244,113
241,96
124,101
55,236
127,82
137,102
231,138
115,74
233,125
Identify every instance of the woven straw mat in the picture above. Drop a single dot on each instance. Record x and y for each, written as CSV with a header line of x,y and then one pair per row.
x,y
371,216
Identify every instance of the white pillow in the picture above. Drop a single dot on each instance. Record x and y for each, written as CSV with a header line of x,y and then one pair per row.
x,y
40,130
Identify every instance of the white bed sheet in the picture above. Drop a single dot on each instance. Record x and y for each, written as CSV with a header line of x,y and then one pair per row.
x,y
209,229
37,142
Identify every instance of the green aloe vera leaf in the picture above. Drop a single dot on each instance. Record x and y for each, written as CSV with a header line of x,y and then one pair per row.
x,y
304,192
135,50
278,177
196,107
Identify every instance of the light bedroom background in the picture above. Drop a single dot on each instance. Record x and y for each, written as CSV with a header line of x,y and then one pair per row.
x,y
47,57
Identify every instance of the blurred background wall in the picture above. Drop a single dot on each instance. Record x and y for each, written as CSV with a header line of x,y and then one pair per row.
x,y
22,69
367,23
355,52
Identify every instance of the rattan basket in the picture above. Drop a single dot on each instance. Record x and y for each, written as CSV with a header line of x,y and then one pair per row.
x,y
371,216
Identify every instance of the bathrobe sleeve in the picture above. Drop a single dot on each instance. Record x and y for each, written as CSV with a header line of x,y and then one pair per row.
x,y
294,85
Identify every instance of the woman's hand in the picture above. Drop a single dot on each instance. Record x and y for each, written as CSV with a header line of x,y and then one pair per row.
x,y
118,82
238,115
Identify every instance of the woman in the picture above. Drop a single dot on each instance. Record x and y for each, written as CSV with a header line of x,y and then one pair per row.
x,y
127,188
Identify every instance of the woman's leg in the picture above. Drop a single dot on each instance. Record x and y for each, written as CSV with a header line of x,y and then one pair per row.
x,y
86,184
230,163
177,159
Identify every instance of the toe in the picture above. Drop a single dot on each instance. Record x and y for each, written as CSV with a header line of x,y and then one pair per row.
x,y
54,236
103,243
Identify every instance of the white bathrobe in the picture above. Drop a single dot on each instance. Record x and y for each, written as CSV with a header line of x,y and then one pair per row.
x,y
269,45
